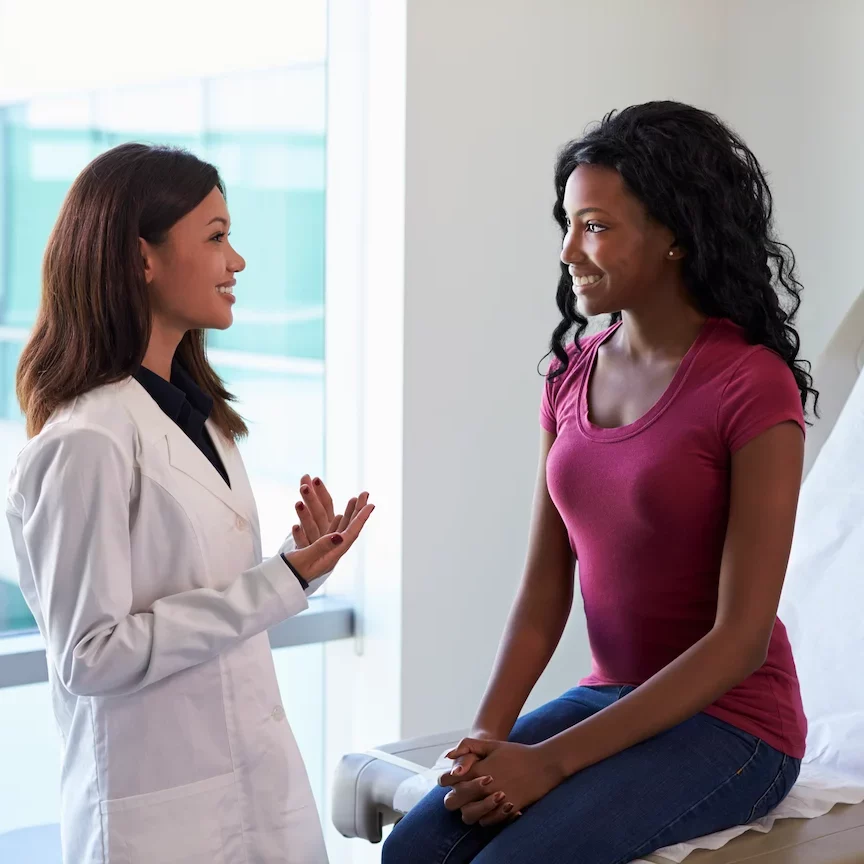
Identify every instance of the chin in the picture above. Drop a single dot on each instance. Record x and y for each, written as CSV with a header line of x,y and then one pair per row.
x,y
591,307
217,322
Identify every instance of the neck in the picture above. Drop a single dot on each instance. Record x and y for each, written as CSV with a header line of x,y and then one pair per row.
x,y
160,350
661,329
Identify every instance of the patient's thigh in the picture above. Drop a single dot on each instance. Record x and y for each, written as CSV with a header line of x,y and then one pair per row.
x,y
573,707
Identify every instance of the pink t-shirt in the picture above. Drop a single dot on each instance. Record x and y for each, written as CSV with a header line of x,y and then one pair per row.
x,y
646,507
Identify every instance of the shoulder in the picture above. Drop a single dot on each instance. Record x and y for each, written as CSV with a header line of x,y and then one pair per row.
x,y
91,432
756,388
578,352
745,363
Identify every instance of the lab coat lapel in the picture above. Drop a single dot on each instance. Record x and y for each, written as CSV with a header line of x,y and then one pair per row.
x,y
186,457
183,454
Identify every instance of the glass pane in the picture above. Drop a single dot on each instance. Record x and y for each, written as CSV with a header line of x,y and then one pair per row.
x,y
272,161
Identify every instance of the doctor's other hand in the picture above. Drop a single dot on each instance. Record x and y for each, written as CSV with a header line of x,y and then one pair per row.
x,y
316,512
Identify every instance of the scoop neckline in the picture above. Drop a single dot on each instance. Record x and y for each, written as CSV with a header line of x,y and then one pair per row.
x,y
618,433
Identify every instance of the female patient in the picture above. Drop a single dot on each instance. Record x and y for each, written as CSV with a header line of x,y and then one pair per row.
x,y
671,456
137,536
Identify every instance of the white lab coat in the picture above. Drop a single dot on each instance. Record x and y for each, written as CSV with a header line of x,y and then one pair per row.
x,y
144,572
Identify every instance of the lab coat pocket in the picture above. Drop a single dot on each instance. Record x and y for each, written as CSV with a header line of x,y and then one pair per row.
x,y
194,824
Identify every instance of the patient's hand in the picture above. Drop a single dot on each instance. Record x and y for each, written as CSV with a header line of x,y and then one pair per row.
x,y
473,796
523,772
475,799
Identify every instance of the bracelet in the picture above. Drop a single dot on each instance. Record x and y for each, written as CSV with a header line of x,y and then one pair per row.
x,y
303,583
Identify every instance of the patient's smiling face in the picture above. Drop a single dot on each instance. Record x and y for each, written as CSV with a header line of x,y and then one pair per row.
x,y
614,251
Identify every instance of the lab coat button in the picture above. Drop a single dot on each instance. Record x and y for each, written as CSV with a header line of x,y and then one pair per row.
x,y
240,522
278,713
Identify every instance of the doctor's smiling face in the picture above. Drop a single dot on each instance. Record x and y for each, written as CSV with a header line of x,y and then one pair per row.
x,y
190,273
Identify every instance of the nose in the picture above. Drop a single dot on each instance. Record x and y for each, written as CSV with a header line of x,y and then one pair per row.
x,y
571,248
237,263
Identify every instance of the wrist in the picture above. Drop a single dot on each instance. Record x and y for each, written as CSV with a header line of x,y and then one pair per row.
x,y
557,758
304,583
488,732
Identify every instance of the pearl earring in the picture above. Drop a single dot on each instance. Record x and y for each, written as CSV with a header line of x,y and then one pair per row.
x,y
671,253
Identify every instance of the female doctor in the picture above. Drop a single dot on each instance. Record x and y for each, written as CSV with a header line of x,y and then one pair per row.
x,y
137,536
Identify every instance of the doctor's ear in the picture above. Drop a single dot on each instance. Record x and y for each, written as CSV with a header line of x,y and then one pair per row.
x,y
147,257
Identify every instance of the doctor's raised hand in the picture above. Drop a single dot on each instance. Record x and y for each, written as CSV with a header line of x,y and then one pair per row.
x,y
323,536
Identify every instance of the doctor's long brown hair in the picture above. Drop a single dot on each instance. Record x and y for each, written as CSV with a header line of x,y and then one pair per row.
x,y
93,325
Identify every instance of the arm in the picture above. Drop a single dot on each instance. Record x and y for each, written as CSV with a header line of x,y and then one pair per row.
x,y
766,476
73,505
538,616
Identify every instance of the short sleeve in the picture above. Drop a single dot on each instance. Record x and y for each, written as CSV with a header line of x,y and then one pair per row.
x,y
547,407
761,392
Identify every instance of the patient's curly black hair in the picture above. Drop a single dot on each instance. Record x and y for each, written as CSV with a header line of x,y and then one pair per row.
x,y
698,178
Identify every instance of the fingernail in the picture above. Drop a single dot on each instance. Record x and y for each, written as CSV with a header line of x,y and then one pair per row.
x,y
296,528
304,489
317,481
301,505
485,781
337,539
457,771
499,797
506,808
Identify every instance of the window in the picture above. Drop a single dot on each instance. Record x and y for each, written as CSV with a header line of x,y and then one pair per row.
x,y
265,131
262,122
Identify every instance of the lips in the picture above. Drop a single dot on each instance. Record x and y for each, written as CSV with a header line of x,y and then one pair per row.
x,y
586,283
583,281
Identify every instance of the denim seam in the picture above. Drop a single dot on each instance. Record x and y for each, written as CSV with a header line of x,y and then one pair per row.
x,y
637,850
446,858
770,789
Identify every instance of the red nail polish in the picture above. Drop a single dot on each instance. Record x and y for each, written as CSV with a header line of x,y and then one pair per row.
x,y
507,808
301,505
337,539
317,482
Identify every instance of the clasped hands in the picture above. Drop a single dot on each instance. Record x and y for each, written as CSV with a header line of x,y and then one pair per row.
x,y
492,782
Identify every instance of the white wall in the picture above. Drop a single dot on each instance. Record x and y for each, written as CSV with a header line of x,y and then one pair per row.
x,y
493,90
793,86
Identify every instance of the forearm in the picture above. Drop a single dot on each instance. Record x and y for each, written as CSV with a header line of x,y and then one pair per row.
x,y
532,634
691,683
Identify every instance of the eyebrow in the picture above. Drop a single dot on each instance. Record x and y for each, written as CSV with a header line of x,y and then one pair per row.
x,y
218,219
585,210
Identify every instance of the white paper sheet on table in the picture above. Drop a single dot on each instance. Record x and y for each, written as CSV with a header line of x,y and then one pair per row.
x,y
821,608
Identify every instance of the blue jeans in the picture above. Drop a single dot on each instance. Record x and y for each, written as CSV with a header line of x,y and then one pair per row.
x,y
700,777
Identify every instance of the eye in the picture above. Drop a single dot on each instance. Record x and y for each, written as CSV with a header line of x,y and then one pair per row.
x,y
220,236
595,228
568,223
